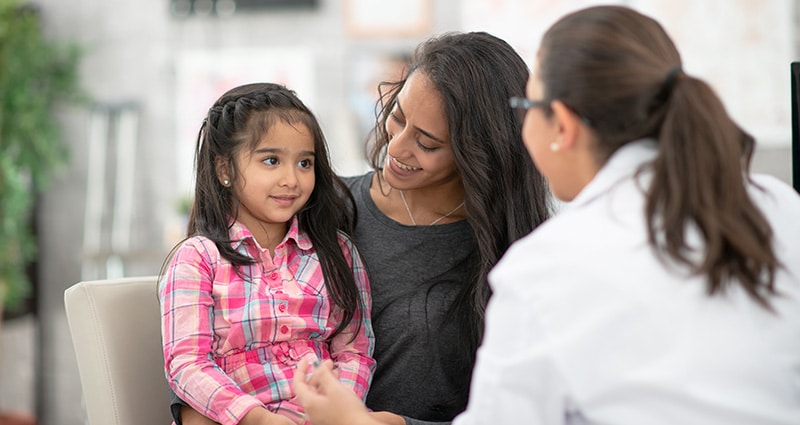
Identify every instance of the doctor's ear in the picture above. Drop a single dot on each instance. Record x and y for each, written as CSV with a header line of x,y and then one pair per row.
x,y
570,124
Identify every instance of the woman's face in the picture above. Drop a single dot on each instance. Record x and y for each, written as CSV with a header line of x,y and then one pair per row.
x,y
420,152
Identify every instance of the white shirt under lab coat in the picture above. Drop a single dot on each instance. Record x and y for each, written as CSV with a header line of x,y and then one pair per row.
x,y
587,326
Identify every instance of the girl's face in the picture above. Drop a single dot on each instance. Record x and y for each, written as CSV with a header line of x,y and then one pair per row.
x,y
420,152
275,180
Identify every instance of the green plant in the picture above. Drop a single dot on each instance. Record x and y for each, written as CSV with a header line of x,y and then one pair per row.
x,y
35,75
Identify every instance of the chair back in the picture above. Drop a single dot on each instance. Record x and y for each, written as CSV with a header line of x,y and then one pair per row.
x,y
116,332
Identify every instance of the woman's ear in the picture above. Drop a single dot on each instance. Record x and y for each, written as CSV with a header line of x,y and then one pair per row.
x,y
569,125
223,173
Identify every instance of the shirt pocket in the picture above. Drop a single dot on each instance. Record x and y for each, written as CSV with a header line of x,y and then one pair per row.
x,y
310,301
306,271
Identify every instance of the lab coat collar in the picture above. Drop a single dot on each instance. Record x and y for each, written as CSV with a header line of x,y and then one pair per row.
x,y
622,165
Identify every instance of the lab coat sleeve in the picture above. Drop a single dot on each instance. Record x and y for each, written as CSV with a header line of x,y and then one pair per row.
x,y
516,377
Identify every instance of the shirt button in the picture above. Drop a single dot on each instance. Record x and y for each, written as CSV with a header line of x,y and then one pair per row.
x,y
282,308
284,329
273,276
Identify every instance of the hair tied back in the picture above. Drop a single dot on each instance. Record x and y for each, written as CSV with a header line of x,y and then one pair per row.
x,y
669,80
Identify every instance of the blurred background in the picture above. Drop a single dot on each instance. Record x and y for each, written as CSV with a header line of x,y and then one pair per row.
x,y
117,169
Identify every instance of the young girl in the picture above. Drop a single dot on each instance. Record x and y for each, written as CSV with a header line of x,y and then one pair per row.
x,y
267,275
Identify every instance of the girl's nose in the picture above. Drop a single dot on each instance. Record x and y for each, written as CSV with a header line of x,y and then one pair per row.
x,y
289,177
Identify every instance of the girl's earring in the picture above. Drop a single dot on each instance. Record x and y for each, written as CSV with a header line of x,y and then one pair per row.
x,y
555,147
226,182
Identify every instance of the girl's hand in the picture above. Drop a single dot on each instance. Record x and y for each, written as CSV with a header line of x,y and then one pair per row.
x,y
276,419
262,416
325,400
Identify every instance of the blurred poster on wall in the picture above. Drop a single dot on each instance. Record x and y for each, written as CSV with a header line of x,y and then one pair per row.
x,y
740,47
388,18
202,76
520,22
366,73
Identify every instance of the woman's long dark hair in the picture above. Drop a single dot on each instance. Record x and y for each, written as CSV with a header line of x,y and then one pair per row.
x,y
238,120
505,195
620,70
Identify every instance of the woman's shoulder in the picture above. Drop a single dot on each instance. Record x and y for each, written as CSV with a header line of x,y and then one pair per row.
x,y
770,190
779,202
358,181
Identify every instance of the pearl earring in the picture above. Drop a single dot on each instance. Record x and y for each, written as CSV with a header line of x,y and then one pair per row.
x,y
555,147
226,182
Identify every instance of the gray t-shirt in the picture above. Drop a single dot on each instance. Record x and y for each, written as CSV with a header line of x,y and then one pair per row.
x,y
415,273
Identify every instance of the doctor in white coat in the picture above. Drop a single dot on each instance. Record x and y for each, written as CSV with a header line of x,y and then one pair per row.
x,y
667,291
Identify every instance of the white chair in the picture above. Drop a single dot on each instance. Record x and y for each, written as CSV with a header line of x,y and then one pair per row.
x,y
116,332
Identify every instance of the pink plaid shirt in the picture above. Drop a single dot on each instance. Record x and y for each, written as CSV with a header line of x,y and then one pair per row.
x,y
232,343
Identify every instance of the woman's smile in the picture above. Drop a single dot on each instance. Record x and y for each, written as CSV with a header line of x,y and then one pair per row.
x,y
403,166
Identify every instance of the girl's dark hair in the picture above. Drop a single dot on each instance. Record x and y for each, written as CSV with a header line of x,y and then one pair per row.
x,y
619,70
505,195
238,120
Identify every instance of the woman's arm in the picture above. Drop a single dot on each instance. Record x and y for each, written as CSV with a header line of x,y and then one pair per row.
x,y
411,421
257,416
182,413
189,416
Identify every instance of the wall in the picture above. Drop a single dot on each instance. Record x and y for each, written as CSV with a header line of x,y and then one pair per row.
x,y
132,56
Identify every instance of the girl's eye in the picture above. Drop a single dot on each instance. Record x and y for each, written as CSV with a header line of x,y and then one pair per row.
x,y
306,163
271,160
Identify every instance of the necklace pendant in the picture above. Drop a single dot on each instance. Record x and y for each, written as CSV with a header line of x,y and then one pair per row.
x,y
411,216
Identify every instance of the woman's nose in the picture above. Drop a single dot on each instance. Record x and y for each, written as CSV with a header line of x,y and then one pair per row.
x,y
399,143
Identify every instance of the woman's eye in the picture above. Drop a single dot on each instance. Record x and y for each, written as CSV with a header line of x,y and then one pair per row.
x,y
425,148
396,118
306,163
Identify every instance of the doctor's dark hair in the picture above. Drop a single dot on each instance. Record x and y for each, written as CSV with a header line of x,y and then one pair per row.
x,y
620,70
505,195
238,121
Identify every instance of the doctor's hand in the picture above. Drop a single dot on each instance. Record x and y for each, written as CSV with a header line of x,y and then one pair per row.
x,y
325,400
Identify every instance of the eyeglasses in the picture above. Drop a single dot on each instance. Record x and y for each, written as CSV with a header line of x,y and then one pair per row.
x,y
521,105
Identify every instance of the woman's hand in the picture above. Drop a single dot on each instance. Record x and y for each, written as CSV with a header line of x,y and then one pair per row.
x,y
325,400
388,418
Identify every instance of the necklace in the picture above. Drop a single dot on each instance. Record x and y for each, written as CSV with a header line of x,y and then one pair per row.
x,y
411,216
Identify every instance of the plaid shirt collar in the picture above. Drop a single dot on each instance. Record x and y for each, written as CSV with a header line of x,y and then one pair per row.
x,y
239,234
